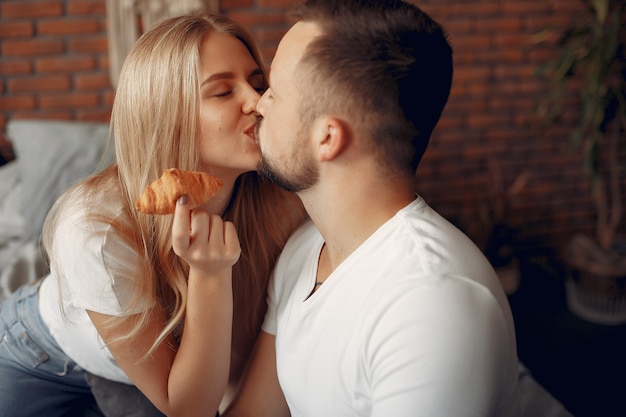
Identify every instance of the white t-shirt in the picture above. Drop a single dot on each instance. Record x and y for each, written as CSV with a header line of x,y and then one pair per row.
x,y
96,270
413,323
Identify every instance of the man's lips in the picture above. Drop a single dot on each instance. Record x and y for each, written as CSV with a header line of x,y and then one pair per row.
x,y
257,126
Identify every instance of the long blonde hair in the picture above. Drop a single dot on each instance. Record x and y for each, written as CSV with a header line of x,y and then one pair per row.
x,y
155,125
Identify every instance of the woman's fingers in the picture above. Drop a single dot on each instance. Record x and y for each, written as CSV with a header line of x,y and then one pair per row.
x,y
223,241
204,241
231,241
181,226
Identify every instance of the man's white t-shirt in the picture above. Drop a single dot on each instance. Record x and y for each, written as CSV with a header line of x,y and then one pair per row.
x,y
413,323
95,270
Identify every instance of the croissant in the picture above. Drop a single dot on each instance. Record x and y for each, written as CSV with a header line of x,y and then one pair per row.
x,y
160,197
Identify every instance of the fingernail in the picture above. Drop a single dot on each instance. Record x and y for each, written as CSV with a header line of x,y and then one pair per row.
x,y
182,200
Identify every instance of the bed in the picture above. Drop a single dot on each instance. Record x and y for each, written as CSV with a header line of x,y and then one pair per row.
x,y
50,156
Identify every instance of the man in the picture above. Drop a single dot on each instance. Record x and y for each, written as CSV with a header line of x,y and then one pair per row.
x,y
379,306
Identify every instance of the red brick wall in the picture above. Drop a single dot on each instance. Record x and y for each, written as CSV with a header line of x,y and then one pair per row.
x,y
54,65
54,60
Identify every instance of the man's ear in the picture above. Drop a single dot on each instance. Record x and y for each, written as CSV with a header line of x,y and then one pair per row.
x,y
332,136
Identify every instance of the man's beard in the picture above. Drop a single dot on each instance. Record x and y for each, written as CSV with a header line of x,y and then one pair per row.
x,y
305,172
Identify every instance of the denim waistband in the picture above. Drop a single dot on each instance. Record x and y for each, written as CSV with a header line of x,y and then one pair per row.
x,y
23,306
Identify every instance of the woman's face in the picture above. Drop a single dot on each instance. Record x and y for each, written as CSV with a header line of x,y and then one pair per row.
x,y
231,83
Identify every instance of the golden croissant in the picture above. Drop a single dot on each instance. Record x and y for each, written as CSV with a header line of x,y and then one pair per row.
x,y
161,196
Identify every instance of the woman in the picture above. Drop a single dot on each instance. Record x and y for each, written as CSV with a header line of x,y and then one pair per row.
x,y
154,301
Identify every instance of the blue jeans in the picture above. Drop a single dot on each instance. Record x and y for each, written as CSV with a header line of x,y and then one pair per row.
x,y
36,377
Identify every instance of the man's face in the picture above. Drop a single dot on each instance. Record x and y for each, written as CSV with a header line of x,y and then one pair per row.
x,y
287,158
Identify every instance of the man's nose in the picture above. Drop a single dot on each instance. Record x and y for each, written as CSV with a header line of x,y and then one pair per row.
x,y
261,105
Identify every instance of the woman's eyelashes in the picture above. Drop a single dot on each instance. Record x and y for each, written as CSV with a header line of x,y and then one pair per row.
x,y
223,93
228,90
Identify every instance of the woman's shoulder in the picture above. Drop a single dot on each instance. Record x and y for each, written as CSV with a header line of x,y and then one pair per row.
x,y
87,212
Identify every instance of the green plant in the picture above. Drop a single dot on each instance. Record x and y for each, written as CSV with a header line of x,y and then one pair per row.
x,y
592,53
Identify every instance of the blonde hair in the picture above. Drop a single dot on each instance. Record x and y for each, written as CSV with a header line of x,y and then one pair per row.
x,y
155,126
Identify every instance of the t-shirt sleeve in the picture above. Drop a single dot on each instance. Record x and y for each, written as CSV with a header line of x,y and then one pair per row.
x,y
270,322
98,267
437,352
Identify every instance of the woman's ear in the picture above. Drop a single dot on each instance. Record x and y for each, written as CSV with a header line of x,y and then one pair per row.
x,y
332,137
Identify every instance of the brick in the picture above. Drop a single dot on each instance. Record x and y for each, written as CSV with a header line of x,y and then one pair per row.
x,y
508,40
501,24
68,26
92,81
15,29
277,3
12,67
19,102
537,23
512,71
103,62
272,36
65,64
94,115
25,9
32,47
463,107
569,7
89,44
69,100
458,25
491,55
472,41
268,54
107,98
504,134
41,114
86,7
483,119
39,83
483,9
519,7
235,4
250,19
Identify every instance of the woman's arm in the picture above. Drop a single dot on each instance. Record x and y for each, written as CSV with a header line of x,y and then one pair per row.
x,y
192,379
260,394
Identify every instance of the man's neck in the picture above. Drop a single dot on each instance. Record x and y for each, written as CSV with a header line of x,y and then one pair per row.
x,y
348,214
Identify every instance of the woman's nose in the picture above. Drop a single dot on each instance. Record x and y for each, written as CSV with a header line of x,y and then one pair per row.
x,y
250,101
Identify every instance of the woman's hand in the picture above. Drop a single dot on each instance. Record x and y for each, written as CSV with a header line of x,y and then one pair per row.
x,y
206,242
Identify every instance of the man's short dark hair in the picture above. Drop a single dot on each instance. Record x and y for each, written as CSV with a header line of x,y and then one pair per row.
x,y
384,62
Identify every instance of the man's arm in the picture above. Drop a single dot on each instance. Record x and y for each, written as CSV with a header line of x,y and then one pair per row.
x,y
260,394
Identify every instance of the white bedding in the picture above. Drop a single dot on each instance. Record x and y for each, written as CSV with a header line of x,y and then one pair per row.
x,y
21,261
50,157
11,218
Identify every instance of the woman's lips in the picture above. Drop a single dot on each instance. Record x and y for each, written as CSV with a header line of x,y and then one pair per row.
x,y
250,132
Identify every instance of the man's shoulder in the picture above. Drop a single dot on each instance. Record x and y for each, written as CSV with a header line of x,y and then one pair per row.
x,y
299,248
306,235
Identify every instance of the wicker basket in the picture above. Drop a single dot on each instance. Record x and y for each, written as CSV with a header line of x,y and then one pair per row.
x,y
601,307
596,283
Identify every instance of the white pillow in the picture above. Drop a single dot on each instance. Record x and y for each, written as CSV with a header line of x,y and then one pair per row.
x,y
11,212
52,156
